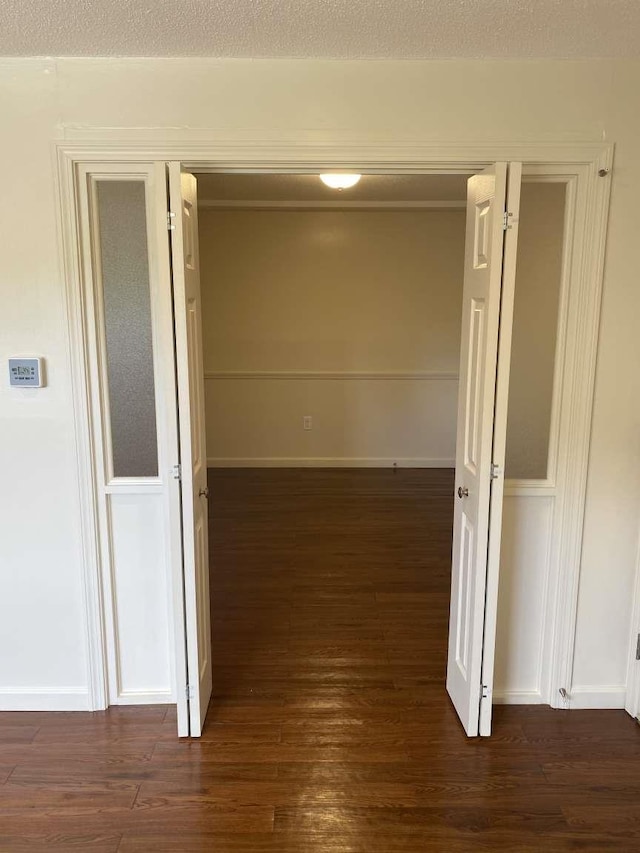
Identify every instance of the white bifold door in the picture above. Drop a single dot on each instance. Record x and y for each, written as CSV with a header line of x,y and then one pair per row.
x,y
141,321
193,623
493,199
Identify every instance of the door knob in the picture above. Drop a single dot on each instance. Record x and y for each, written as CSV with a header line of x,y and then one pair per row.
x,y
463,493
204,493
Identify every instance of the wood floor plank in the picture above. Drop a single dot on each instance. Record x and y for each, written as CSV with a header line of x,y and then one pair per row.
x,y
23,800
611,774
148,817
5,771
284,752
104,752
451,841
17,734
28,841
621,819
527,820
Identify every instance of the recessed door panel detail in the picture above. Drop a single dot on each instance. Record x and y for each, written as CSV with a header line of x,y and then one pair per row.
x,y
189,235
482,234
474,384
203,589
195,345
139,572
464,597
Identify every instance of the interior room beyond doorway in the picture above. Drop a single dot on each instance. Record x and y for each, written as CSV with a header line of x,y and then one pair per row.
x,y
331,331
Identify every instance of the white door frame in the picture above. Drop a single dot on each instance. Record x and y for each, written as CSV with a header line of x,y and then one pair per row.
x,y
585,166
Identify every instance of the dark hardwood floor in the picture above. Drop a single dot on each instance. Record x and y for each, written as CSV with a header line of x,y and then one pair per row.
x,y
329,729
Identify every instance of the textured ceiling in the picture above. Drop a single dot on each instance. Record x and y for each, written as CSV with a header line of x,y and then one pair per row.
x,y
398,188
346,29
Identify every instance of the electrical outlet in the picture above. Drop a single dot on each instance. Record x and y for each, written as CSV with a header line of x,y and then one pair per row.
x,y
307,422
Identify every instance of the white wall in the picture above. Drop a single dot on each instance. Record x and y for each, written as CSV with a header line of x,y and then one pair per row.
x,y
331,292
42,656
42,644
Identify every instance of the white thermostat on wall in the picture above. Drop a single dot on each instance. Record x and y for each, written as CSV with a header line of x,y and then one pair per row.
x,y
26,372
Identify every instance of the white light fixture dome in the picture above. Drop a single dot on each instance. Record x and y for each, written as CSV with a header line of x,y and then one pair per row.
x,y
340,181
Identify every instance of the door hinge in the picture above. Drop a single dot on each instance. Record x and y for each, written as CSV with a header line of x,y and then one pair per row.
x,y
176,472
486,691
188,691
496,471
638,648
170,224
506,224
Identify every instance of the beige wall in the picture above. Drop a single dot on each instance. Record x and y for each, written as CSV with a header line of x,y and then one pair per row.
x,y
311,102
336,292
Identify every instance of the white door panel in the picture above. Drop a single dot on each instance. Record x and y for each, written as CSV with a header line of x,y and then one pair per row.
x,y
471,622
190,372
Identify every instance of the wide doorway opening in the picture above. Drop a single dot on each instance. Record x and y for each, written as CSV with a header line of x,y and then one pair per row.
x,y
331,330
283,339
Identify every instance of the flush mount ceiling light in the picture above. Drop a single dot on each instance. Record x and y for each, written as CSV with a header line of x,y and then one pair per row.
x,y
342,181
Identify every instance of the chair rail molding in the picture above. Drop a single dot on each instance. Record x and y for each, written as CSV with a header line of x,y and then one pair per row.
x,y
403,375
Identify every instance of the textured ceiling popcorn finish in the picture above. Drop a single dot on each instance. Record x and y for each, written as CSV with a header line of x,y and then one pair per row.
x,y
332,29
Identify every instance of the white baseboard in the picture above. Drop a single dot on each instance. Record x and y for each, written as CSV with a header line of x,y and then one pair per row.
x,y
44,699
326,462
580,698
517,697
597,697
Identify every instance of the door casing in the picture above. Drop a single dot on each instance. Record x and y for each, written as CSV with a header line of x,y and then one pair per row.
x,y
584,166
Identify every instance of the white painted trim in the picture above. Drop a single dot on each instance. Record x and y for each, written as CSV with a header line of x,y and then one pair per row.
x,y
605,696
246,204
45,699
79,368
325,462
209,149
586,227
517,697
406,375
632,697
